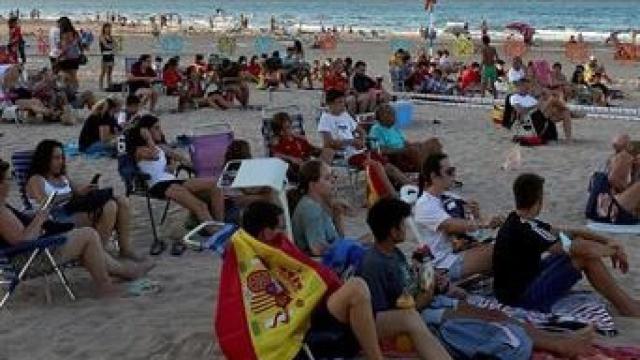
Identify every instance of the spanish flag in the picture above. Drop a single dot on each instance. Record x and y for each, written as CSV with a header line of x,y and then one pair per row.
x,y
378,185
266,298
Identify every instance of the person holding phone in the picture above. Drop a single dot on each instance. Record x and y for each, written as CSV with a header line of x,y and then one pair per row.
x,y
145,143
48,174
82,243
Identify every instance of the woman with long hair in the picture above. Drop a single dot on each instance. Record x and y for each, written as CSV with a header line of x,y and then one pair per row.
x,y
70,52
99,131
106,49
48,173
82,243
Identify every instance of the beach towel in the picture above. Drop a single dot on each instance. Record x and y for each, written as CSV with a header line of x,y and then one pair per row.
x,y
613,228
601,352
580,307
266,298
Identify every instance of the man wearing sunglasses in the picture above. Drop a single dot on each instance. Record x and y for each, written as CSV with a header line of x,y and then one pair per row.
x,y
437,227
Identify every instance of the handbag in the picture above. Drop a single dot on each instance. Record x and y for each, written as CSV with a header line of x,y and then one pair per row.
x,y
92,202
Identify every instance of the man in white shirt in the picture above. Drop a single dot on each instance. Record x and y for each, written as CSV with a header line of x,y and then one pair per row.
x,y
337,127
436,226
516,73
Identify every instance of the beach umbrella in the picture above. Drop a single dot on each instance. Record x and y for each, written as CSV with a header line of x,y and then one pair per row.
x,y
171,43
524,29
431,31
226,45
265,44
462,47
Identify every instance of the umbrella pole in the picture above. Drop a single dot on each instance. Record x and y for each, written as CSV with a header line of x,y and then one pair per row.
x,y
431,30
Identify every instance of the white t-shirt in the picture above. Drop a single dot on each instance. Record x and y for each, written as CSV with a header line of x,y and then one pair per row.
x,y
341,127
54,42
429,213
525,101
515,75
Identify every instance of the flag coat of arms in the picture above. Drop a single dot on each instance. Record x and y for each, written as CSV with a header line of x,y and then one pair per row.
x,y
266,298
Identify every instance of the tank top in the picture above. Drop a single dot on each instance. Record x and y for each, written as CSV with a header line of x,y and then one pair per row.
x,y
106,47
156,169
62,189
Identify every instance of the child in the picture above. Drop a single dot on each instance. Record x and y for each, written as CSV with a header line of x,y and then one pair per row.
x,y
294,149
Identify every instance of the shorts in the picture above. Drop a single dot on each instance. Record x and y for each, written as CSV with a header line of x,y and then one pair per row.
x,y
489,74
159,189
108,60
328,337
557,277
67,65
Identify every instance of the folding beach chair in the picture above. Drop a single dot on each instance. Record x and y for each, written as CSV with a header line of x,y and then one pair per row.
x,y
27,260
128,65
20,165
297,124
207,151
135,182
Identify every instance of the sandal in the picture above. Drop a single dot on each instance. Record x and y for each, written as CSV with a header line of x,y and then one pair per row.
x,y
178,248
143,287
157,248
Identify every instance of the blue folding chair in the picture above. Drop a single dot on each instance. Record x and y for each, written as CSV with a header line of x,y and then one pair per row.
x,y
20,165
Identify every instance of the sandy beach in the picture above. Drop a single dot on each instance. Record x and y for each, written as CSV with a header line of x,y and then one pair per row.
x,y
177,323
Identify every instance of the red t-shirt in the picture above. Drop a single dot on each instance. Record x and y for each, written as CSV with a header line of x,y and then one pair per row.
x,y
333,81
293,146
254,69
171,78
468,78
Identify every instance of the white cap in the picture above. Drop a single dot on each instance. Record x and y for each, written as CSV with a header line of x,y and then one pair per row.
x,y
592,58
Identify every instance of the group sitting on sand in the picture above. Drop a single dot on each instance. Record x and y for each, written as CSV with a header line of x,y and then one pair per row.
x,y
533,264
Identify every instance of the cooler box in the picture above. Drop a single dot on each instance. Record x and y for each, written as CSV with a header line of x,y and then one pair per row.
x,y
404,113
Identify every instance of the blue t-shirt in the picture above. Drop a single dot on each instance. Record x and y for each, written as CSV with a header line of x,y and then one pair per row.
x,y
387,137
312,225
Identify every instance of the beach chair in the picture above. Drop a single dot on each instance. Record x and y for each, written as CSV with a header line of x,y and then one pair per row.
x,y
128,65
207,151
20,165
135,182
27,260
297,124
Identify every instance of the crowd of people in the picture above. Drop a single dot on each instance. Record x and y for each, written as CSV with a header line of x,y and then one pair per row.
x,y
388,295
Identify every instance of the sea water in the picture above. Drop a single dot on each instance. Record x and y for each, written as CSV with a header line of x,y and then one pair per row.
x,y
552,18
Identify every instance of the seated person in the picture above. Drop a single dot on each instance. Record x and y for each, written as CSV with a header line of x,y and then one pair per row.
x,y
368,92
470,78
543,114
82,243
317,219
48,174
419,73
200,64
9,80
436,84
101,128
232,83
617,199
271,70
582,92
439,229
141,79
292,148
335,78
522,277
252,70
346,305
296,69
195,94
172,77
391,142
392,281
130,111
517,71
146,145
598,84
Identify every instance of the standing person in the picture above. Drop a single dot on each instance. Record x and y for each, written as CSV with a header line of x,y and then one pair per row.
x,y
68,60
106,49
484,28
489,71
16,41
54,45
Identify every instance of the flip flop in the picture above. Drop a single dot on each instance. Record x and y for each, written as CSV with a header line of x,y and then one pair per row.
x,y
178,248
157,248
142,287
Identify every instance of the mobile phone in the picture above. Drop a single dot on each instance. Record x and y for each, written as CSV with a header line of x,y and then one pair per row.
x,y
49,200
94,180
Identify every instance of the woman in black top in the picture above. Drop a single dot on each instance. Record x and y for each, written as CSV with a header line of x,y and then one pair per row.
x,y
106,49
101,127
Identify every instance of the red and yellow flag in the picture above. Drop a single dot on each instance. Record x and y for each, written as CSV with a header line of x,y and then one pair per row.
x,y
266,298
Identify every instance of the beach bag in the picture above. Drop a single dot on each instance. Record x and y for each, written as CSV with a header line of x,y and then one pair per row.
x,y
477,339
266,297
528,140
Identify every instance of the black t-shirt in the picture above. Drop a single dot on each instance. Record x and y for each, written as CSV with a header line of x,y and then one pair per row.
x,y
90,132
362,83
517,255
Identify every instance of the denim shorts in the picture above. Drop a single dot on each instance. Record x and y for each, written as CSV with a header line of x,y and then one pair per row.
x,y
557,277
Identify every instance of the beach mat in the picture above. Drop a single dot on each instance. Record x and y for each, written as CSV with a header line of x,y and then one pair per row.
x,y
614,229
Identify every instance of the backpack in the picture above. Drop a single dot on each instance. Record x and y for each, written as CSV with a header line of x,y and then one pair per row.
x,y
598,184
471,339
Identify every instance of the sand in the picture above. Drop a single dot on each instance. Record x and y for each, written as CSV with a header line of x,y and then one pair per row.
x,y
177,323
